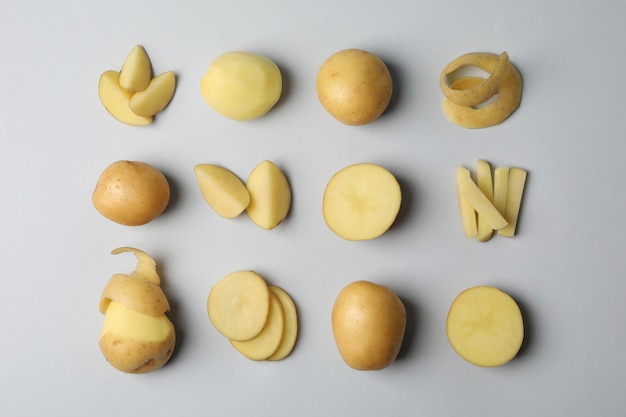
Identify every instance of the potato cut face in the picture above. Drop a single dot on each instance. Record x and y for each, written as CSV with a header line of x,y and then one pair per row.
x,y
267,342
484,181
270,195
468,214
242,85
483,206
517,180
361,201
290,332
136,71
485,326
222,190
156,96
116,100
238,305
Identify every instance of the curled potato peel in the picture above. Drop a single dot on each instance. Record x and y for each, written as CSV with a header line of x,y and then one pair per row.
x,y
475,102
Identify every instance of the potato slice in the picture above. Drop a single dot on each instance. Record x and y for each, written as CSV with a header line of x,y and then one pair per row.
x,y
485,326
267,342
238,305
116,100
222,190
484,182
361,201
468,214
517,180
156,96
470,191
136,71
290,332
270,195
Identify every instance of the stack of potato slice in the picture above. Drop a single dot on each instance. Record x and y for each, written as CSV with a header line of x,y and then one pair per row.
x,y
132,95
260,320
492,202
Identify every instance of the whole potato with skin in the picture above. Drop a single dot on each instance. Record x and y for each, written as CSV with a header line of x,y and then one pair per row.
x,y
354,86
131,193
368,322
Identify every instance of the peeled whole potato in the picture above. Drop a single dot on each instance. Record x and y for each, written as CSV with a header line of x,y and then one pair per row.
x,y
354,86
368,322
131,193
137,336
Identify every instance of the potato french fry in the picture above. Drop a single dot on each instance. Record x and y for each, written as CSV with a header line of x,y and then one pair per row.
x,y
500,187
470,191
485,184
517,181
468,214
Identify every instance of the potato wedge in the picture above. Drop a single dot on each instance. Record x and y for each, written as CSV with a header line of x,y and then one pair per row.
x,y
267,342
155,97
116,100
238,305
136,71
222,190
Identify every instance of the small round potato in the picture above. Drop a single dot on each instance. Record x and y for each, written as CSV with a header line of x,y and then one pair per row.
x,y
131,193
354,86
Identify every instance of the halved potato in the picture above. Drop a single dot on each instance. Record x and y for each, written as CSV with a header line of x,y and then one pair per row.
x,y
238,305
222,190
361,201
267,342
270,195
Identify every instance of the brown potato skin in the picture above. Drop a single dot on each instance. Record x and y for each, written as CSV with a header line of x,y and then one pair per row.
x,y
136,356
131,193
368,323
354,86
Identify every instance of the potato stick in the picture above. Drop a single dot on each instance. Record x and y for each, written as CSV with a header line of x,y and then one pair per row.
x,y
485,184
500,186
468,214
470,191
517,180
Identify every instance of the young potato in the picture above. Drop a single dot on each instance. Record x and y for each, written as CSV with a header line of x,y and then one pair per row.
x,y
485,326
131,193
368,322
354,86
137,336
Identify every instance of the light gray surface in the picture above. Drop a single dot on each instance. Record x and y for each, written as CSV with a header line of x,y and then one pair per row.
x,y
565,267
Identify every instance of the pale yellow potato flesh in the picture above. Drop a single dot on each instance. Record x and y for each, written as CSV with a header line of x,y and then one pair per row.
x,y
485,326
136,70
290,332
222,190
155,97
354,86
267,342
361,201
500,188
270,195
242,85
136,336
131,193
517,181
238,305
468,214
116,100
368,323
484,181
470,192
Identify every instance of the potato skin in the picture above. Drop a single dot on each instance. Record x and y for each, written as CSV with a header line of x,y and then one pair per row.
x,y
136,356
368,323
131,193
354,86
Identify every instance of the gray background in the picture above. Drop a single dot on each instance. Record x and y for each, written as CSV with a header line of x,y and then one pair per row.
x,y
565,267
